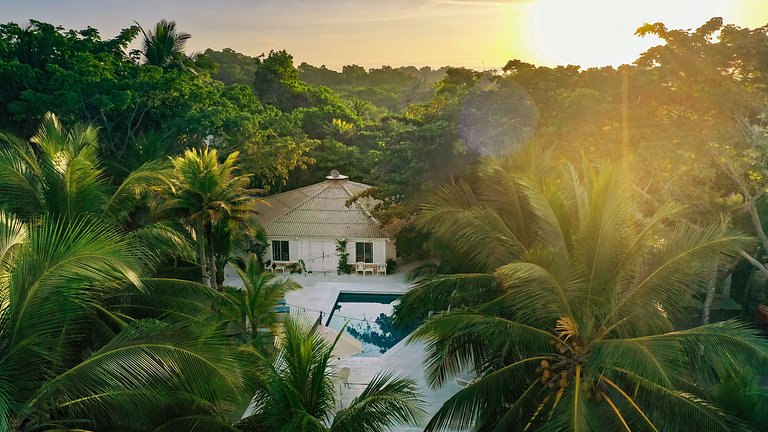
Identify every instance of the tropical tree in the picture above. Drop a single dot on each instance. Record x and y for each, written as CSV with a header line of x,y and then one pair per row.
x,y
574,326
256,301
163,46
86,343
207,192
296,393
59,173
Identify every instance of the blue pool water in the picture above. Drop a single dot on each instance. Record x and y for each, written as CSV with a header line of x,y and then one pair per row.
x,y
368,319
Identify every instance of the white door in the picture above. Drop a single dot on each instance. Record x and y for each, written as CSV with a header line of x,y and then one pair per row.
x,y
322,256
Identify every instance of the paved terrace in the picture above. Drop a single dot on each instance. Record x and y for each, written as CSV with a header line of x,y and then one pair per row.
x,y
319,293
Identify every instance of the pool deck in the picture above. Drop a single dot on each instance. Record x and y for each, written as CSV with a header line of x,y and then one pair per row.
x,y
318,294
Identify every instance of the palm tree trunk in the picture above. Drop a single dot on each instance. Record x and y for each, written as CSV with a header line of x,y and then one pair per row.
x,y
710,297
201,245
708,300
212,256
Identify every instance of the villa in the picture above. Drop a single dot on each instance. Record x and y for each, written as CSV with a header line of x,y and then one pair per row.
x,y
306,225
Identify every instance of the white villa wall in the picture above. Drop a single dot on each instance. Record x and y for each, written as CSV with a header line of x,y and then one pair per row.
x,y
319,255
293,250
379,251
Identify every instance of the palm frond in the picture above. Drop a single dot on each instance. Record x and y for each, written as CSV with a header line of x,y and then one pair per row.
x,y
166,239
502,393
675,410
196,424
146,179
443,292
477,233
151,354
462,339
386,403
725,347
672,273
539,290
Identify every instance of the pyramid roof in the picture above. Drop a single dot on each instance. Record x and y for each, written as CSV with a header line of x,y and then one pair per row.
x,y
321,211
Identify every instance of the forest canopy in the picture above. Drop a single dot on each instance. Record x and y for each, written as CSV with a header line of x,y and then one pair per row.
x,y
582,213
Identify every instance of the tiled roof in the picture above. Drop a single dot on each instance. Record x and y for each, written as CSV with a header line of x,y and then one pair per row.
x,y
320,211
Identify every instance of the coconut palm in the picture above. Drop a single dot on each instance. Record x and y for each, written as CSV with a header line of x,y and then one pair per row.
x,y
58,172
257,300
574,330
86,345
296,393
163,46
206,192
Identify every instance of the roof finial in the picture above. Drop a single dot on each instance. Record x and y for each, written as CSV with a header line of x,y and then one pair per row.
x,y
336,176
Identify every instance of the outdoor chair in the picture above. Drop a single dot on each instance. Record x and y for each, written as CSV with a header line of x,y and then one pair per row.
x,y
381,269
279,266
360,268
268,266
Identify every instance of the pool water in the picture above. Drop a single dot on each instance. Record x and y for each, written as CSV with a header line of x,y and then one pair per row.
x,y
368,318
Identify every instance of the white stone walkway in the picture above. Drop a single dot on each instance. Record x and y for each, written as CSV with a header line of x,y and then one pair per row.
x,y
319,293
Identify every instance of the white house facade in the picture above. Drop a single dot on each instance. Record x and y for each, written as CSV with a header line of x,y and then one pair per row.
x,y
306,224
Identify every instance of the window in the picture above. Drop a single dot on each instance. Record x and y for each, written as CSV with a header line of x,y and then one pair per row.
x,y
363,252
280,250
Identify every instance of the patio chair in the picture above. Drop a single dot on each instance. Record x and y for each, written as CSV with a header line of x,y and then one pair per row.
x,y
268,266
360,268
279,266
368,267
381,269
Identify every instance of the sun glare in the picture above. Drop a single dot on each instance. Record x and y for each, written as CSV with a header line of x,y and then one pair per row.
x,y
601,32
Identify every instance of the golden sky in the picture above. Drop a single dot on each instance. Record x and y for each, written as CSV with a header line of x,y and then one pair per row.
x,y
473,33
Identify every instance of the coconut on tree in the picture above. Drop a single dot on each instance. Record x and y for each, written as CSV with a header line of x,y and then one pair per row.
x,y
567,318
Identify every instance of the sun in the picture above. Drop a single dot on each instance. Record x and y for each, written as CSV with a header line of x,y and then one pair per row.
x,y
601,32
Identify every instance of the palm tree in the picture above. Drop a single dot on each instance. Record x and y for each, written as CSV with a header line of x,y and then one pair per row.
x,y
574,325
296,393
257,300
59,173
164,45
56,172
207,192
87,344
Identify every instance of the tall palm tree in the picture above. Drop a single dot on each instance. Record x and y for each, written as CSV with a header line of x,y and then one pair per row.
x,y
296,393
85,345
257,300
206,192
163,46
573,329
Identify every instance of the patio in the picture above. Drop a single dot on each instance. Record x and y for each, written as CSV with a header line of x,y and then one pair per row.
x,y
318,295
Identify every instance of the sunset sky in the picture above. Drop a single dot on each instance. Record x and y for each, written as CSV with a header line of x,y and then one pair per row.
x,y
472,33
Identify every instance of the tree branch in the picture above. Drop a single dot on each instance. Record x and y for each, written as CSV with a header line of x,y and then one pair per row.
x,y
760,266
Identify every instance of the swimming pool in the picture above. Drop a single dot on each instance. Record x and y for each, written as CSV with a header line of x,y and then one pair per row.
x,y
370,321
